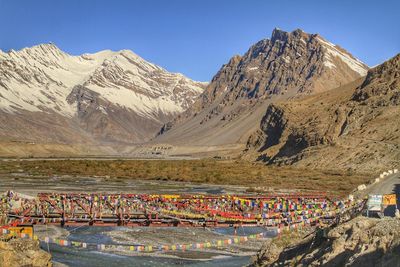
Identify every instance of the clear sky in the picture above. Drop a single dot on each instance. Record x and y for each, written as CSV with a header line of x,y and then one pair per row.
x,y
197,37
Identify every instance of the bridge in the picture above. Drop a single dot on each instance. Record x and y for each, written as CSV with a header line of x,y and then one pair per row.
x,y
102,209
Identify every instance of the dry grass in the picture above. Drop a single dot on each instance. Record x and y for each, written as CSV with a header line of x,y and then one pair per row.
x,y
290,237
254,176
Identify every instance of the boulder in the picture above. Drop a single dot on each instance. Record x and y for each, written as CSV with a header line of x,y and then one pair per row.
x,y
361,187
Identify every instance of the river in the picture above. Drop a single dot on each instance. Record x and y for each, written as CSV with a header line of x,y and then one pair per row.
x,y
240,255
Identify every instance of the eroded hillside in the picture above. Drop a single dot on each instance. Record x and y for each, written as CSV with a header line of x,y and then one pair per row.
x,y
354,126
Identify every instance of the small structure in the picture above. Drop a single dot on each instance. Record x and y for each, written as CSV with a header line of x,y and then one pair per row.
x,y
374,205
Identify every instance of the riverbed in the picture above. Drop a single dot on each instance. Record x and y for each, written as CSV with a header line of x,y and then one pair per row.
x,y
31,185
227,255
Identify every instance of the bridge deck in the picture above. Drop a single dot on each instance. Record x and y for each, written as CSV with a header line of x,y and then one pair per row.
x,y
167,210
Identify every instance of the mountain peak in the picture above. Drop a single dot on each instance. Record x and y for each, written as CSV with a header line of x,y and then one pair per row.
x,y
45,47
281,35
332,51
127,52
49,45
46,52
288,65
278,34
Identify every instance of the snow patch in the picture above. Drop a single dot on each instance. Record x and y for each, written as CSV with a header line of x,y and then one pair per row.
x,y
102,109
333,52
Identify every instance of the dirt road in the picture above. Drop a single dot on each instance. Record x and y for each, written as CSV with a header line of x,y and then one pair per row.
x,y
387,185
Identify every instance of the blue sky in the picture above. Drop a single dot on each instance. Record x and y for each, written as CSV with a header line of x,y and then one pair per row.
x,y
197,37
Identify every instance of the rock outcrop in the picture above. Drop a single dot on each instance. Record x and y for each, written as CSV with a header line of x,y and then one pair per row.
x,y
360,242
23,252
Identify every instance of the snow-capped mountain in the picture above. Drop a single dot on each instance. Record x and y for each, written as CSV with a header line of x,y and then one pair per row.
x,y
117,96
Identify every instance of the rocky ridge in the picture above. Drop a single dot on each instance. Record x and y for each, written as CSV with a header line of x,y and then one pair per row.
x,y
353,126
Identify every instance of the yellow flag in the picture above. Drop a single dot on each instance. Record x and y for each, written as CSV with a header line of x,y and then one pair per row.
x,y
389,199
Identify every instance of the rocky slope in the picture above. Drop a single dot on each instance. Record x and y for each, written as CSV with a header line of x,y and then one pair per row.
x,y
354,126
107,96
360,242
289,64
23,252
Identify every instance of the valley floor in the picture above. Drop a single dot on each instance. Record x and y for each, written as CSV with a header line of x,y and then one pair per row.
x,y
253,177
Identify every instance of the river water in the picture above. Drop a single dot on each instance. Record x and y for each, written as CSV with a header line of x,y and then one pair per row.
x,y
75,257
72,256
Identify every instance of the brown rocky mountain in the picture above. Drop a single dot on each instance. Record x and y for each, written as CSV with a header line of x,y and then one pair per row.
x,y
48,96
288,65
353,126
